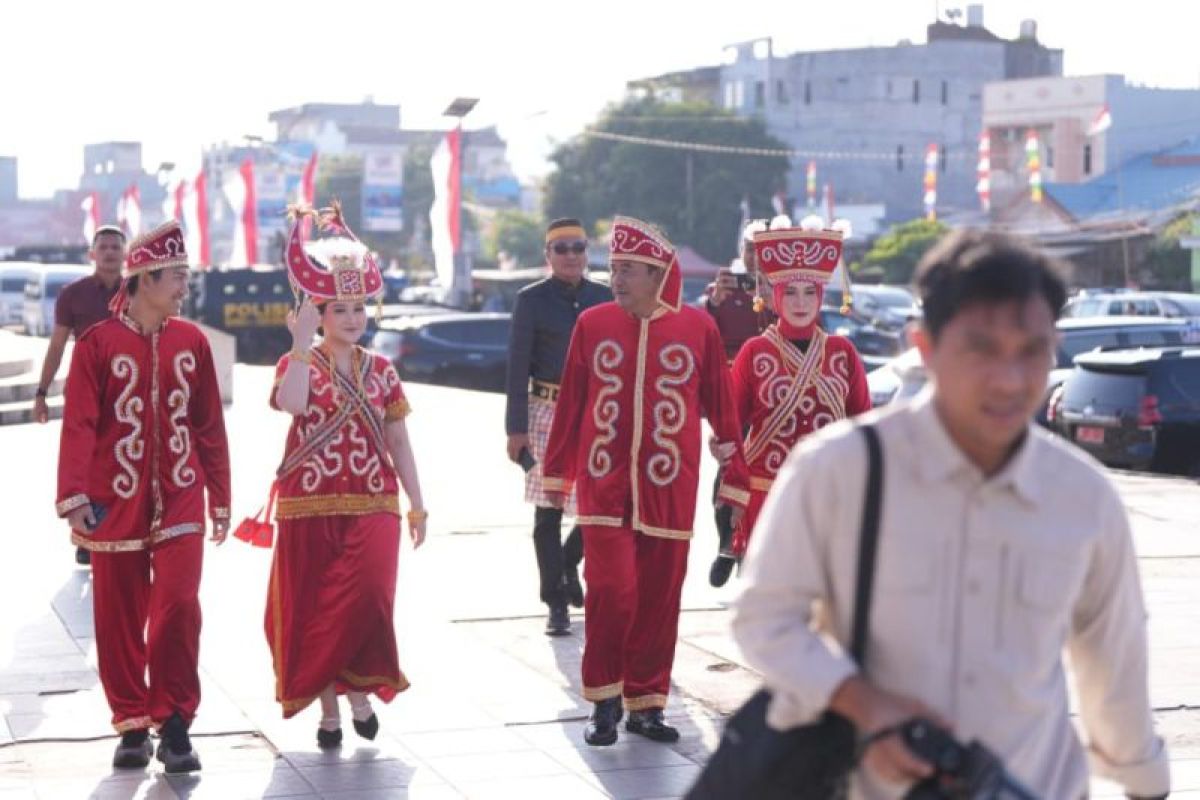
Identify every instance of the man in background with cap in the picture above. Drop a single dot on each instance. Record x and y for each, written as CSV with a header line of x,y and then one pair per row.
x,y
143,437
79,306
542,322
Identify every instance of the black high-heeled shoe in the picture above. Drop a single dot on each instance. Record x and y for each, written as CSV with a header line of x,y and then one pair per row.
x,y
367,728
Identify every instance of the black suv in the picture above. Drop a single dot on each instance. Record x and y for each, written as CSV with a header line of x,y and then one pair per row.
x,y
469,351
1138,409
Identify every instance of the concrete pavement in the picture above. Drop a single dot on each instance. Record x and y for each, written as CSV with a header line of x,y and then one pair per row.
x,y
494,710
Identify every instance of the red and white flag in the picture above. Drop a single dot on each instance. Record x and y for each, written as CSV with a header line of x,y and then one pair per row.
x,y
91,216
445,214
129,211
172,207
239,189
983,186
195,222
308,191
1101,123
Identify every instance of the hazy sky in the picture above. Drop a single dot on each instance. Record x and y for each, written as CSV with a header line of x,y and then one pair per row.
x,y
178,76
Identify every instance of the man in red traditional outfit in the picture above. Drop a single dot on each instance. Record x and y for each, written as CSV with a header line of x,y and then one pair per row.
x,y
143,436
639,375
794,378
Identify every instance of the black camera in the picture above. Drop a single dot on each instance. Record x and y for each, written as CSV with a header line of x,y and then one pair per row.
x,y
961,772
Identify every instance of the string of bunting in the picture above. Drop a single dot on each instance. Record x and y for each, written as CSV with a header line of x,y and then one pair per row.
x,y
767,152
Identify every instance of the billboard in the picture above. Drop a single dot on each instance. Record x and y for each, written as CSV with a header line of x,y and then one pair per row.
x,y
383,191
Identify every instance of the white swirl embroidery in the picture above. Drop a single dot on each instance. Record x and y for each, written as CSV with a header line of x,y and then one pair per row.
x,y
670,413
362,461
810,253
324,463
605,410
129,448
773,381
180,442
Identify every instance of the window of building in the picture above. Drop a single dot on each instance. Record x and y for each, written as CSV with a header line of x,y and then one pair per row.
x,y
945,92
781,95
1087,159
1049,157
899,158
760,94
943,157
729,95
808,93
916,90
889,87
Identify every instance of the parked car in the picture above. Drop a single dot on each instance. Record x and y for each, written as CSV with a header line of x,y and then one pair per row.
x,y
874,345
1138,409
889,307
13,276
41,290
1141,304
469,351
1075,336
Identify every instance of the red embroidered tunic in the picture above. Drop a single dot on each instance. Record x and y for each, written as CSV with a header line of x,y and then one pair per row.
x,y
626,429
143,434
784,394
336,459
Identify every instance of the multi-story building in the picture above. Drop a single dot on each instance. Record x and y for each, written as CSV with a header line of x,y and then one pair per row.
x,y
1065,112
867,115
110,169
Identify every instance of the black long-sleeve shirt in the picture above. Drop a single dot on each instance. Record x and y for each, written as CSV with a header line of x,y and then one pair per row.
x,y
542,321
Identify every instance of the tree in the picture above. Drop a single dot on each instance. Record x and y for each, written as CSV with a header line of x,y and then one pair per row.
x,y
597,178
518,234
1168,265
896,253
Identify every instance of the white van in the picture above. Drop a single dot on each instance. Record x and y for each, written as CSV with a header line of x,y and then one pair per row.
x,y
41,290
13,275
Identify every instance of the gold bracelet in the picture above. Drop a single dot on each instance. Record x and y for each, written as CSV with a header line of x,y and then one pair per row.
x,y
417,516
303,356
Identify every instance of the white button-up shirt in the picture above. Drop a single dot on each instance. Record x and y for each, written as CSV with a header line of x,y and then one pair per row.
x,y
980,584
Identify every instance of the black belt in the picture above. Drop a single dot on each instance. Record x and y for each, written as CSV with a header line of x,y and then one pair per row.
x,y
543,390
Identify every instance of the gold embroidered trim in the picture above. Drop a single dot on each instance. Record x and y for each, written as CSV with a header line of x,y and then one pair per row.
x,y
598,693
761,484
174,531
645,701
118,546
71,503
220,512
397,410
133,724
297,705
663,533
610,522
559,485
738,496
374,680
639,399
327,504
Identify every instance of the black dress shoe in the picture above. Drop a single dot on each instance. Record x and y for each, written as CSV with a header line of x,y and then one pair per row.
x,y
175,747
559,621
601,729
134,751
83,556
368,727
329,740
649,723
721,569
572,586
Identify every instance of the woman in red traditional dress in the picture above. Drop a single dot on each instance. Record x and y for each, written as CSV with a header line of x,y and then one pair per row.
x,y
333,579
794,378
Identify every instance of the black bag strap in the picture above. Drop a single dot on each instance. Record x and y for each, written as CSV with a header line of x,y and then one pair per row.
x,y
868,540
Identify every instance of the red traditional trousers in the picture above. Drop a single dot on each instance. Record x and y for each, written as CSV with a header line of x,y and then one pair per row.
x,y
146,608
631,614
329,609
741,536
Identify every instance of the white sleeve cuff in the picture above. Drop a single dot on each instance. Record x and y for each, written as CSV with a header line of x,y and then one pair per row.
x,y
1149,778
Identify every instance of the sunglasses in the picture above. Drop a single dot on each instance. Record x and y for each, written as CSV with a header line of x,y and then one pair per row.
x,y
562,248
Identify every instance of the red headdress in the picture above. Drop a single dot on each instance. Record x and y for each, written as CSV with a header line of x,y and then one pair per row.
x,y
634,240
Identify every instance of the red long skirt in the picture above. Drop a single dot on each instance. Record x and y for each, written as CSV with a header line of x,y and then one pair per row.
x,y
329,608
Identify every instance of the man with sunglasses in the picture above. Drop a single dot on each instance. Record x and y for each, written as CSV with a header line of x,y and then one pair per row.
x,y
542,322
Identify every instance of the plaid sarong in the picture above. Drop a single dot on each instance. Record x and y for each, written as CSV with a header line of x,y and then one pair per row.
x,y
541,415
